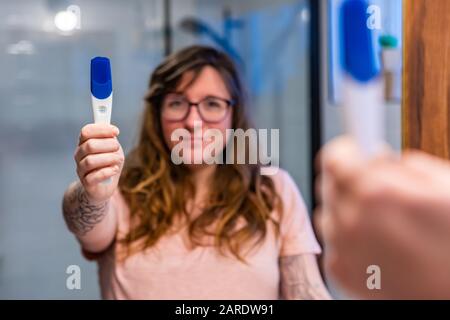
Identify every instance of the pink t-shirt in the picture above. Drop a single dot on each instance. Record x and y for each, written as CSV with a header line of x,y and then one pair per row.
x,y
173,270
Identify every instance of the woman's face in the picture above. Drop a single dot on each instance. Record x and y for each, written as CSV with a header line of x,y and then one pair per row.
x,y
210,88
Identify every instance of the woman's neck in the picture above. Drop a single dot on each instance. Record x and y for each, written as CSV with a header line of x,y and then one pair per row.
x,y
202,176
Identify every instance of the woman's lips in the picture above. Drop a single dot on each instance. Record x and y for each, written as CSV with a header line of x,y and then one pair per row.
x,y
199,143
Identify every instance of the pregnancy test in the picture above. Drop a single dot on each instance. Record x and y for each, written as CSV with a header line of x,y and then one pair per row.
x,y
101,91
363,85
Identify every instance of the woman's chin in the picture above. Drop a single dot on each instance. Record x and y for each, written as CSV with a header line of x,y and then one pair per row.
x,y
196,157
198,161
196,167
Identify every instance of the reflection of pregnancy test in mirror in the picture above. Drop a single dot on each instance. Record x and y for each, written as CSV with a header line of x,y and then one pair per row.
x,y
363,86
101,91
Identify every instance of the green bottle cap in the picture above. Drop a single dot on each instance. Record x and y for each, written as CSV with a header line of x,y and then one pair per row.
x,y
388,41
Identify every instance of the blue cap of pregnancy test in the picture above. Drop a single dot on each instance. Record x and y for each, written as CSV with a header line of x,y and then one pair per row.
x,y
359,57
101,82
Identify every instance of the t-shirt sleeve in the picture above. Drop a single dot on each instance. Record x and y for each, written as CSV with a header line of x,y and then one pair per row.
x,y
297,235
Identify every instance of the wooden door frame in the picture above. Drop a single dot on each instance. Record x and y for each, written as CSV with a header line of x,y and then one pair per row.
x,y
426,76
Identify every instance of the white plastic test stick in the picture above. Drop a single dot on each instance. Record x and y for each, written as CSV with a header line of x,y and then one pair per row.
x,y
101,91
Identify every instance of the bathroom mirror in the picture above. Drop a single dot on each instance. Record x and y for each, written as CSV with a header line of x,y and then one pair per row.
x,y
45,49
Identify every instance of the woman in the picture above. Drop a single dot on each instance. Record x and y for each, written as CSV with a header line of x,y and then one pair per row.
x,y
189,231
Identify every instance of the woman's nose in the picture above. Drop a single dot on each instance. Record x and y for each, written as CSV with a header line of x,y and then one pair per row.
x,y
193,118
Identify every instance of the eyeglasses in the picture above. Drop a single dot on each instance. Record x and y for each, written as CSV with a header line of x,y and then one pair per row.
x,y
211,109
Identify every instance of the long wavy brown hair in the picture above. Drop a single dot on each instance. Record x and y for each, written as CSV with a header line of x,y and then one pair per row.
x,y
157,191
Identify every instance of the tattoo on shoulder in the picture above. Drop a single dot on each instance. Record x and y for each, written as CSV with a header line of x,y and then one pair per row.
x,y
81,216
299,283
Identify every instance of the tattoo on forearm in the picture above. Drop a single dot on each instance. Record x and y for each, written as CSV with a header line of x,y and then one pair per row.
x,y
299,284
81,216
